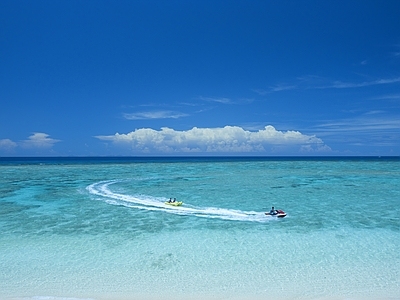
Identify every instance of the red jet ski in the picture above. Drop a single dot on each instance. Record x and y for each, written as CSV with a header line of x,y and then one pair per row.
x,y
278,213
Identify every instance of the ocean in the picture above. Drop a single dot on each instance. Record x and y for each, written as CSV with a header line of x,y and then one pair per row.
x,y
98,228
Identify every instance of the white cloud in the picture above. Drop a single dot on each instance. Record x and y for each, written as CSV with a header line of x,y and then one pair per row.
x,y
369,123
39,140
374,128
342,85
388,97
275,88
282,87
261,92
216,140
161,114
7,144
316,82
222,100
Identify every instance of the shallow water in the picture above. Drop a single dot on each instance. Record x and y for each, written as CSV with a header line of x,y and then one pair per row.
x,y
98,228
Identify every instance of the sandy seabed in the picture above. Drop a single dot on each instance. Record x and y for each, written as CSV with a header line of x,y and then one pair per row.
x,y
273,296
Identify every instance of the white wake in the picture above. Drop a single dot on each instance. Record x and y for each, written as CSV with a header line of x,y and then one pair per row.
x,y
102,189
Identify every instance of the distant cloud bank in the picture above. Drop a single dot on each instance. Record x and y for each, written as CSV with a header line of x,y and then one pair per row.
x,y
37,140
229,139
7,144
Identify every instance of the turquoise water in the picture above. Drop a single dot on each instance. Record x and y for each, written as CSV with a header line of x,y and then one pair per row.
x,y
99,228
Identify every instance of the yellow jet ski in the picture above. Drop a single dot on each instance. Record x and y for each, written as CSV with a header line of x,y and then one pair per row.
x,y
174,203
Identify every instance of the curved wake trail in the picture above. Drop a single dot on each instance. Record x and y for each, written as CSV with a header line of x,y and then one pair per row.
x,y
102,190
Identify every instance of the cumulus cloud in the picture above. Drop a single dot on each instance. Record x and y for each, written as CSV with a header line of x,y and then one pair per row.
x,y
231,139
39,140
7,144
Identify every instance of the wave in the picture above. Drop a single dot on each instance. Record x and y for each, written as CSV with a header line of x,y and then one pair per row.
x,y
102,189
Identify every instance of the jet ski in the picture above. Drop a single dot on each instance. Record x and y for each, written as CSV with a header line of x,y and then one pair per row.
x,y
176,203
278,214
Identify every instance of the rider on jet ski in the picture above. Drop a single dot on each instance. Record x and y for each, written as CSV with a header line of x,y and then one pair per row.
x,y
273,211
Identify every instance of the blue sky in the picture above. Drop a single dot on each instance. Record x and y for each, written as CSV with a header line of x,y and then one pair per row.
x,y
94,78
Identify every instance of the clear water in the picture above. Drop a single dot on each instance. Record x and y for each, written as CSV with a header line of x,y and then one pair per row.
x,y
99,228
